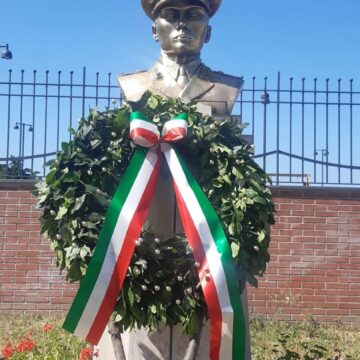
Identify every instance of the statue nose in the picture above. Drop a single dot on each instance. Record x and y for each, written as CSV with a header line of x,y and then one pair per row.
x,y
182,22
181,25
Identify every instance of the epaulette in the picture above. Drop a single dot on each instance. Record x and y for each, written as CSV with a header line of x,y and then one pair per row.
x,y
133,73
227,75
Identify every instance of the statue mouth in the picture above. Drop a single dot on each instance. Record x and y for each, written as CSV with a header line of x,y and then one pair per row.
x,y
183,38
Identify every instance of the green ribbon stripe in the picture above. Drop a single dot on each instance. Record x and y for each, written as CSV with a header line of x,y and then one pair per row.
x,y
137,115
182,116
222,245
88,282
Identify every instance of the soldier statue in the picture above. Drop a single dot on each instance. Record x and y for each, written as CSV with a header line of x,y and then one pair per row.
x,y
182,28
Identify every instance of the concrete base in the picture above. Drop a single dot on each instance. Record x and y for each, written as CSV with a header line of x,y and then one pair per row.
x,y
140,345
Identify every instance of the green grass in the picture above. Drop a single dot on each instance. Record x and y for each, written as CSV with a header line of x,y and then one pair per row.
x,y
271,340
274,340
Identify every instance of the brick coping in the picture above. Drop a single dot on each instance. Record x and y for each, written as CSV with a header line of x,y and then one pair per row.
x,y
17,184
278,191
308,192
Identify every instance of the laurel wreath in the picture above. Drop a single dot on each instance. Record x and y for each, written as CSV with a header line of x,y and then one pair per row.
x,y
162,285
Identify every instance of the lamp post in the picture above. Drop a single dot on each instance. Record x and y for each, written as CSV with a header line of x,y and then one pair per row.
x,y
324,152
21,126
6,54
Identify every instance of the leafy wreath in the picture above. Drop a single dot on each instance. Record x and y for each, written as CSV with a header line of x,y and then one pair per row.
x,y
161,285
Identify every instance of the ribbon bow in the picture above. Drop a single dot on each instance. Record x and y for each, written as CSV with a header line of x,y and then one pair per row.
x,y
145,133
96,298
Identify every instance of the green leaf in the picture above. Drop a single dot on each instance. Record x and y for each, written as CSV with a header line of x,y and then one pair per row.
x,y
62,211
78,203
65,235
235,248
237,173
130,296
231,229
260,200
74,272
252,280
153,102
261,235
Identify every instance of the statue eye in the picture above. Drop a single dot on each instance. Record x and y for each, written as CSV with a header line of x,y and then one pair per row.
x,y
169,14
195,14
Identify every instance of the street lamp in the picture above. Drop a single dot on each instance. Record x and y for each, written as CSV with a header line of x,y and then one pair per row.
x,y
6,54
324,152
21,126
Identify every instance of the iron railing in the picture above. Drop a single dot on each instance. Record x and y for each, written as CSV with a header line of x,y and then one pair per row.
x,y
304,132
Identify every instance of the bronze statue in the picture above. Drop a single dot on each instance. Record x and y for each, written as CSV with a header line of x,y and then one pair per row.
x,y
182,28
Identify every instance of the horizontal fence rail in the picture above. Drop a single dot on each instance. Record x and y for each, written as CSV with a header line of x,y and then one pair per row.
x,y
304,132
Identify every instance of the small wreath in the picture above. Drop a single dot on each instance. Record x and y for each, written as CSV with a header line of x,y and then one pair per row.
x,y
161,285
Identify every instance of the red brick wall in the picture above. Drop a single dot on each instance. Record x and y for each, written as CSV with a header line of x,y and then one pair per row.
x,y
315,257
314,269
29,279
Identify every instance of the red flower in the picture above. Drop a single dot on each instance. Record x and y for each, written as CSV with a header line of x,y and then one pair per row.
x,y
47,327
87,353
25,345
8,350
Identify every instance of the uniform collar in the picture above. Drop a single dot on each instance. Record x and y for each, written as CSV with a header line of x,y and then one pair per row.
x,y
172,65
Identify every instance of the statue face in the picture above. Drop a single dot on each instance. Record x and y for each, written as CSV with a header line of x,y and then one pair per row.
x,y
182,30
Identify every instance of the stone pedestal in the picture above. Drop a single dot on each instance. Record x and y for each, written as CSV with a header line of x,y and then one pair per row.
x,y
165,344
162,345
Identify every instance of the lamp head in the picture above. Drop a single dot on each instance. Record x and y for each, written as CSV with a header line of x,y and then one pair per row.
x,y
6,54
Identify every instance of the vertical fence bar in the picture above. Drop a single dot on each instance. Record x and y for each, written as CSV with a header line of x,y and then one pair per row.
x,y
8,124
46,116
83,91
33,120
97,90
58,112
303,125
241,105
253,109
71,101
109,88
339,130
22,148
265,125
351,131
21,144
315,147
291,126
278,129
327,127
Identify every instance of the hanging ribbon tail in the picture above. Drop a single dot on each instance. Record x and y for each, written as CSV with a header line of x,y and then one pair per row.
x,y
217,272
99,289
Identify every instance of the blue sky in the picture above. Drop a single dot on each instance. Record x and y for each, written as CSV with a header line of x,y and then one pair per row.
x,y
310,38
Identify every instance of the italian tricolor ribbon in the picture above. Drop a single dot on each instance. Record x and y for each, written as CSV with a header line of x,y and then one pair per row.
x,y
99,289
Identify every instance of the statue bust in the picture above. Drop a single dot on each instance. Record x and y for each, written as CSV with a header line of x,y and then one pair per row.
x,y
182,28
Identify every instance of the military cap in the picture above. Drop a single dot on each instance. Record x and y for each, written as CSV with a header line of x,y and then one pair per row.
x,y
151,7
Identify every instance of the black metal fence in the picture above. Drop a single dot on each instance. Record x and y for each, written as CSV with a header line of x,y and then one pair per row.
x,y
304,132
